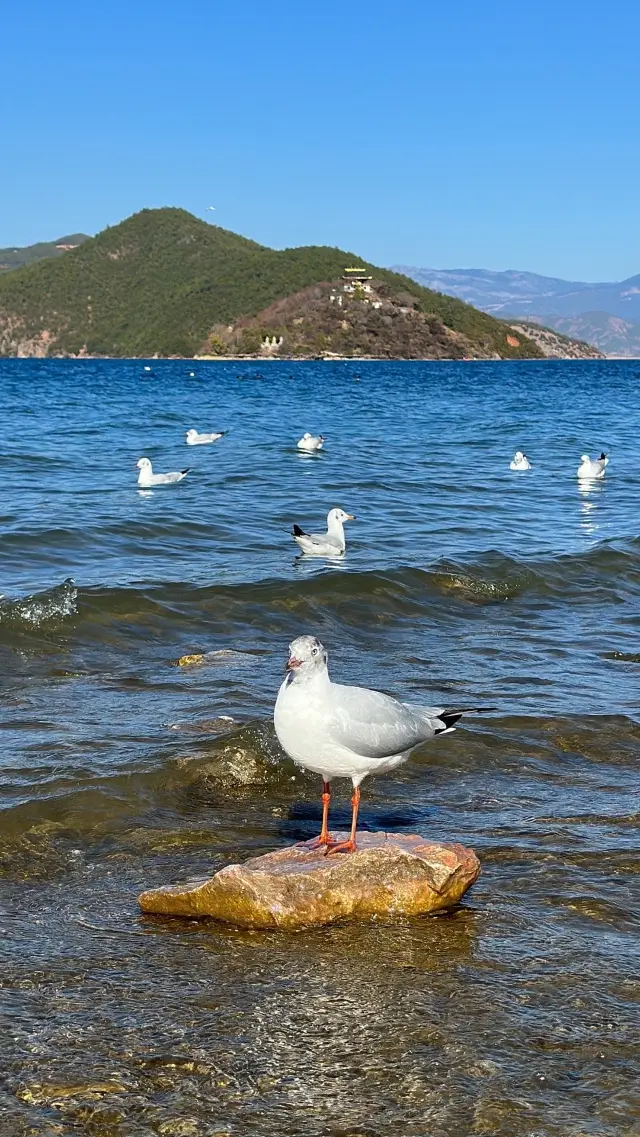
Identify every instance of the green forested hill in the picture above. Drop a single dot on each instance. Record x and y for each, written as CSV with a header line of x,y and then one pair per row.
x,y
29,254
161,280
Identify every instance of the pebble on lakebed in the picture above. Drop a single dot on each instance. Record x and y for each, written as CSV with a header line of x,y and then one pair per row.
x,y
299,887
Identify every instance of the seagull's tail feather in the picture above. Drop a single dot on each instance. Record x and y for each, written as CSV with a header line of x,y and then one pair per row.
x,y
298,532
452,716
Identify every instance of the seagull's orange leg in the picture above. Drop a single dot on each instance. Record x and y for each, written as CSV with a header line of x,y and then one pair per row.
x,y
325,837
350,845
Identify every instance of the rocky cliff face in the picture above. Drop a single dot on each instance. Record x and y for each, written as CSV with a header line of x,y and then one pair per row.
x,y
554,345
379,323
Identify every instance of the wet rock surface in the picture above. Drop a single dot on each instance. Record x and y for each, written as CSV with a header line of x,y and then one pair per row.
x,y
299,887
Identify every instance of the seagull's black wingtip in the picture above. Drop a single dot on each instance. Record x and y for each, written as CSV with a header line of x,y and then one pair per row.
x,y
450,718
297,531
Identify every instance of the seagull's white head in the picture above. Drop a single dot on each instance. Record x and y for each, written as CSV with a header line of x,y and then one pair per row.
x,y
338,516
143,464
518,456
585,458
307,657
191,433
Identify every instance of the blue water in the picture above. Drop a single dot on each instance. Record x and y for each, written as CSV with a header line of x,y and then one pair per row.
x,y
462,582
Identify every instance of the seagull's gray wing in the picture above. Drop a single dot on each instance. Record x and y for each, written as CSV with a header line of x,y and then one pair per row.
x,y
375,725
318,542
323,539
169,479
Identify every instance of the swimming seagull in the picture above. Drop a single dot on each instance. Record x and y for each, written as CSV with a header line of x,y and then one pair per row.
x,y
195,439
329,544
347,732
519,461
146,477
592,468
311,441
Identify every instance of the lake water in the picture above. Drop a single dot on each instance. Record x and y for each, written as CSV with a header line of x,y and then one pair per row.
x,y
514,1016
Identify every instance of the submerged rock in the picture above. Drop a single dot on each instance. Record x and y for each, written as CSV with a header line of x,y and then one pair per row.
x,y
299,887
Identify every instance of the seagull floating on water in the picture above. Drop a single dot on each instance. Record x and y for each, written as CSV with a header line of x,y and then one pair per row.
x,y
329,544
519,461
347,732
311,441
592,468
195,439
146,477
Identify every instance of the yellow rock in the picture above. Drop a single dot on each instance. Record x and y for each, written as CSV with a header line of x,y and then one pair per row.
x,y
299,887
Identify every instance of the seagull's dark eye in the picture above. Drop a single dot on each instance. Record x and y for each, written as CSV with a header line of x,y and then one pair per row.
x,y
314,651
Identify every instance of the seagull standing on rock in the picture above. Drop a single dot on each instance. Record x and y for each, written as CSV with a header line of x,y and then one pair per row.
x,y
147,478
347,732
329,544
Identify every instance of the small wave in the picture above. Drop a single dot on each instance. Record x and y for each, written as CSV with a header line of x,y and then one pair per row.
x,y
607,573
50,607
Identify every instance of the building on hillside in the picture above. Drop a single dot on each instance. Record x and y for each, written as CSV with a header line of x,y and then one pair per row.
x,y
271,346
356,280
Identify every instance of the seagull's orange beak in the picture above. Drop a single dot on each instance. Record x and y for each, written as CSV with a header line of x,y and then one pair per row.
x,y
292,663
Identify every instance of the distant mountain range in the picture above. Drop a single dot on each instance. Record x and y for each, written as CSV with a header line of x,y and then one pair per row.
x,y
29,254
606,314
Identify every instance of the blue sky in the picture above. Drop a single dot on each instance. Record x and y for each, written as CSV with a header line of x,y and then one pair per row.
x,y
479,133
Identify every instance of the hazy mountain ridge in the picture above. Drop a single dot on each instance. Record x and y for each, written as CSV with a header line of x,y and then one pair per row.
x,y
604,314
612,335
20,256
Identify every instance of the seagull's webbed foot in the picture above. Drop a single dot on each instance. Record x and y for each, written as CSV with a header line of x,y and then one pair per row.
x,y
324,839
341,847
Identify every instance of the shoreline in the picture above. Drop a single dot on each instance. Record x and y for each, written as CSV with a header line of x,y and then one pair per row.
x,y
331,358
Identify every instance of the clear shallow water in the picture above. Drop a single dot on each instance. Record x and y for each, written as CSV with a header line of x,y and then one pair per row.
x,y
462,581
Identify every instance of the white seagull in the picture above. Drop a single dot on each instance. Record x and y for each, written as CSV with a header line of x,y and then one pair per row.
x,y
519,461
329,544
195,439
592,468
347,732
310,441
146,477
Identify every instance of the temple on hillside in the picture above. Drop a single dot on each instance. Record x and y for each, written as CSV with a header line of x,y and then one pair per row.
x,y
356,279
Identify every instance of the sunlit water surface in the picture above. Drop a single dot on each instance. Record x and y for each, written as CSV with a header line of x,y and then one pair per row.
x,y
463,582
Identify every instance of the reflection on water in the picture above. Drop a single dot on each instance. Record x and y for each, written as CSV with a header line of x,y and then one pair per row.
x,y
590,490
